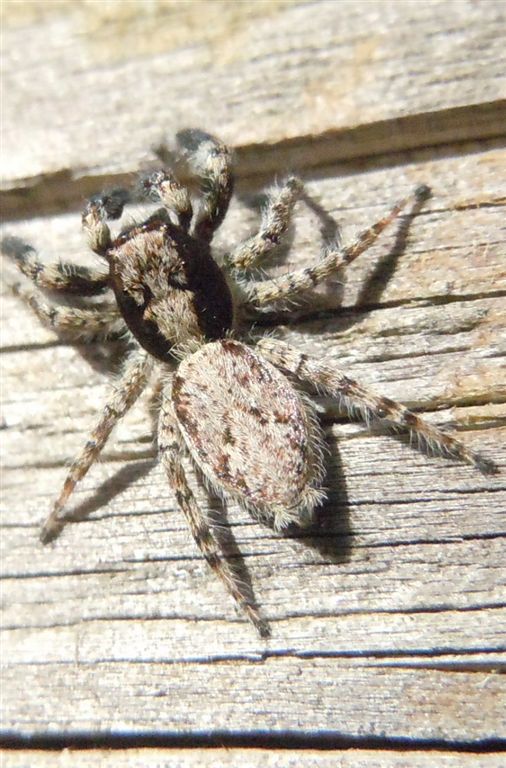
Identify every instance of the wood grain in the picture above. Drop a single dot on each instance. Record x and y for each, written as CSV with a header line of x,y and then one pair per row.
x,y
289,84
388,618
255,74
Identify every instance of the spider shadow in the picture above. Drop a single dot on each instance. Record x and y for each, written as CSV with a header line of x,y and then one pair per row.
x,y
384,269
373,287
381,274
106,492
330,533
105,357
329,228
227,543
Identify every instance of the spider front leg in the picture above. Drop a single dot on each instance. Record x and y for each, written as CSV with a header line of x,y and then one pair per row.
x,y
72,323
355,397
263,293
163,186
60,276
211,161
126,392
107,205
170,451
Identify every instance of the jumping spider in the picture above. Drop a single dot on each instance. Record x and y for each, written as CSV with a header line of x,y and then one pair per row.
x,y
237,408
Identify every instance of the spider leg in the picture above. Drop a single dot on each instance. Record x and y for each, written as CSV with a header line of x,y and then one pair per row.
x,y
107,205
262,293
163,186
170,451
75,324
124,395
211,162
275,220
59,276
155,399
355,397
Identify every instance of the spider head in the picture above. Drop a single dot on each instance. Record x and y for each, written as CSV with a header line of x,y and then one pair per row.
x,y
168,287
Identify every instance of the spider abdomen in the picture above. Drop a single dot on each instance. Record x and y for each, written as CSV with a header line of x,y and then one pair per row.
x,y
249,431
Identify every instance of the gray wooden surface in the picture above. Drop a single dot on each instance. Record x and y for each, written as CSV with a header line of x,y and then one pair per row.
x,y
388,622
229,758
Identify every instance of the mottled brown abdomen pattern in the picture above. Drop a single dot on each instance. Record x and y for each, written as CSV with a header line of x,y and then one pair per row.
x,y
251,433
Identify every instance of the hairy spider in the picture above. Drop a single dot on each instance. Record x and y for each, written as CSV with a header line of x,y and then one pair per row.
x,y
236,408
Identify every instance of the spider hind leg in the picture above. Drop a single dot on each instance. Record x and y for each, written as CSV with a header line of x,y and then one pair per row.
x,y
354,396
171,452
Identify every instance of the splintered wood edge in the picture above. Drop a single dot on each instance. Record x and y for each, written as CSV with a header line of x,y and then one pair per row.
x,y
233,757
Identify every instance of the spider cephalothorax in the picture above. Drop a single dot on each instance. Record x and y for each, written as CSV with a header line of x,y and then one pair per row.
x,y
239,409
168,287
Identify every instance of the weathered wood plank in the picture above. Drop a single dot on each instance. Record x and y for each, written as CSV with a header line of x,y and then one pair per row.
x,y
261,73
218,758
388,622
403,587
316,695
